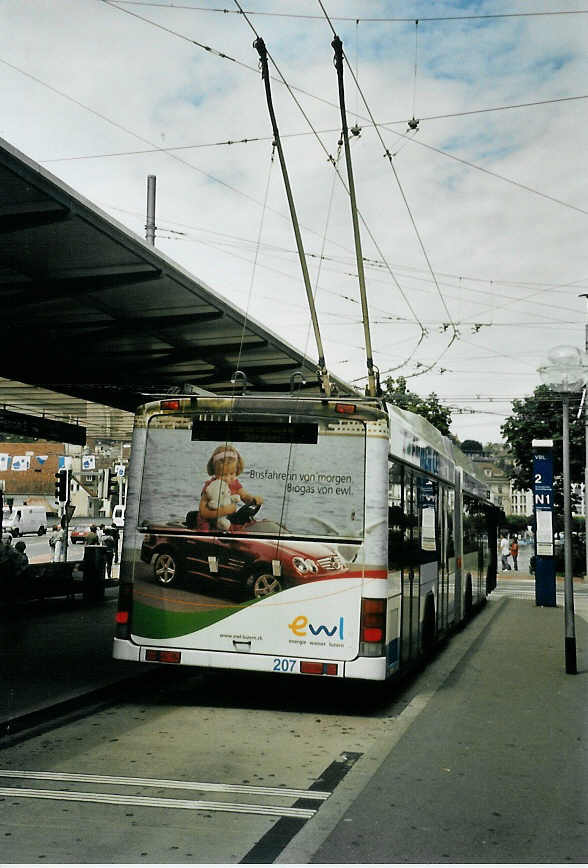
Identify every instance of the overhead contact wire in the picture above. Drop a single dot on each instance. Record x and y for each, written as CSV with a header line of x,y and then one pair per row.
x,y
455,334
254,268
290,90
333,163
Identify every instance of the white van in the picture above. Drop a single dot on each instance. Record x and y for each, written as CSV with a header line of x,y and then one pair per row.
x,y
25,519
118,516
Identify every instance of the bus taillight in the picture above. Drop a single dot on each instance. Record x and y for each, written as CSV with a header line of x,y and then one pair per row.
x,y
310,667
123,615
372,635
162,655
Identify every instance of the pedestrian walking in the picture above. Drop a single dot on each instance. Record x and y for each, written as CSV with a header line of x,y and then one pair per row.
x,y
115,534
505,553
514,552
108,544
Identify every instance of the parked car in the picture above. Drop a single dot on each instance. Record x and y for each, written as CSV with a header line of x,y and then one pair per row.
x,y
78,534
178,554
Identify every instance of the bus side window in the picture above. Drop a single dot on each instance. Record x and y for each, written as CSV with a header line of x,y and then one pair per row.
x,y
396,516
427,492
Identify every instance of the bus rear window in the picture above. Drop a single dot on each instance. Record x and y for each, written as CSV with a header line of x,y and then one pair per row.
x,y
255,431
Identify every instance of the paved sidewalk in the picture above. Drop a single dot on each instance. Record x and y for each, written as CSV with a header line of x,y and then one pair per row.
x,y
494,769
56,653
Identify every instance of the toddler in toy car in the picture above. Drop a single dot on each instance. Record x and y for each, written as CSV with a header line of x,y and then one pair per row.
x,y
223,491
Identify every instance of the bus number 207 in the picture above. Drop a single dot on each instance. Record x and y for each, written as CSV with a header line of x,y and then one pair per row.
x,y
283,664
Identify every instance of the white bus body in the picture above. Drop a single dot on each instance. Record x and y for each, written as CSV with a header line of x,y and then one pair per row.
x,y
350,567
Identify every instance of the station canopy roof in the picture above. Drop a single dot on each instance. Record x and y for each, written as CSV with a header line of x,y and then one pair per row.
x,y
92,313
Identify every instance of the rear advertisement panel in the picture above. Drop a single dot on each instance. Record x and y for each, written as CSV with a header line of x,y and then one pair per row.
x,y
248,544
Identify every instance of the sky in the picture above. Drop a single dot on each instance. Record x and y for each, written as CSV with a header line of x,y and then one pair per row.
x,y
473,226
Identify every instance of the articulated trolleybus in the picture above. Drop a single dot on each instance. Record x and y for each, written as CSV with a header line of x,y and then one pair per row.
x,y
302,535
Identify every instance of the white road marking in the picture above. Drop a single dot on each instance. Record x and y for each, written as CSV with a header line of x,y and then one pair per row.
x,y
166,784
142,802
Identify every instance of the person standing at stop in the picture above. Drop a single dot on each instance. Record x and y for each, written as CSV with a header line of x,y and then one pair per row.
x,y
514,552
504,553
56,543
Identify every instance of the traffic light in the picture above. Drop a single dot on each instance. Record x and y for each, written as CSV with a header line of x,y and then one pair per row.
x,y
112,483
62,486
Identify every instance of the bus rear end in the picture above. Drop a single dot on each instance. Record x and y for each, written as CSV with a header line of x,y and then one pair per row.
x,y
246,544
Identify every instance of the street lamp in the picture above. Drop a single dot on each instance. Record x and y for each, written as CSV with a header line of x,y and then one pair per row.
x,y
566,374
585,295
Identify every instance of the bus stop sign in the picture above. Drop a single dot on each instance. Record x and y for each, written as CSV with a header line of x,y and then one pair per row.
x,y
543,507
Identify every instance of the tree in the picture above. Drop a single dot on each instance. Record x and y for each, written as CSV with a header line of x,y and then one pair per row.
x,y
397,393
516,523
471,447
540,417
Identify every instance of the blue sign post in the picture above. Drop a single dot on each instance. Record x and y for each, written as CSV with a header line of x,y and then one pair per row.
x,y
543,505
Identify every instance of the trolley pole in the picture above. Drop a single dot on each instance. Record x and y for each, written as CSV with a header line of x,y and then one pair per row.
x,y
372,387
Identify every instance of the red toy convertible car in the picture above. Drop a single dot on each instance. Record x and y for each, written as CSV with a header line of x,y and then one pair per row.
x,y
245,556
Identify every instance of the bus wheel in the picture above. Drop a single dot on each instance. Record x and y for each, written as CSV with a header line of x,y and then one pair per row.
x,y
263,584
467,600
165,568
428,637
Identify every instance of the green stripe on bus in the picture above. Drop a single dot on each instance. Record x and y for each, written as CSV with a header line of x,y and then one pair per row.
x,y
157,623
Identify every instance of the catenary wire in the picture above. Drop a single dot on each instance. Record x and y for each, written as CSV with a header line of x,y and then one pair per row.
x,y
331,160
254,139
378,19
113,5
273,250
517,300
455,334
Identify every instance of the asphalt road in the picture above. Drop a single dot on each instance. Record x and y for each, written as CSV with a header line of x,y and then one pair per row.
x,y
37,547
480,758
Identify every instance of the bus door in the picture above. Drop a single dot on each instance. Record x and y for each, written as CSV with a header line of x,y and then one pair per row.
x,y
449,557
446,550
430,540
404,542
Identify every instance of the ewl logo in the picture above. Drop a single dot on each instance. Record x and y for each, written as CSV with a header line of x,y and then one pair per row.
x,y
301,622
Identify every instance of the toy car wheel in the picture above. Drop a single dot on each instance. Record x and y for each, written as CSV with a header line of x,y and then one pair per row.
x,y
165,568
264,584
